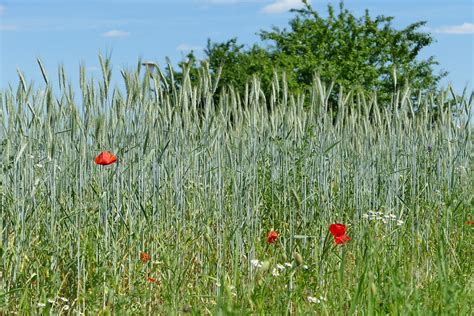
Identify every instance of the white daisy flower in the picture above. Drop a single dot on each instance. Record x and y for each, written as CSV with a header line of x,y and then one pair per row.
x,y
312,299
256,263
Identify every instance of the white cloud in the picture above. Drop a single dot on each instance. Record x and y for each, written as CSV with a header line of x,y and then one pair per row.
x,y
186,47
8,27
465,28
280,6
116,33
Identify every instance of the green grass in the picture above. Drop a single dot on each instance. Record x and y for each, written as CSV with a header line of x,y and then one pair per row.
x,y
199,183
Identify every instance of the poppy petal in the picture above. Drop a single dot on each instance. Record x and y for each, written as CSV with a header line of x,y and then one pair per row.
x,y
145,257
337,229
272,237
105,158
341,239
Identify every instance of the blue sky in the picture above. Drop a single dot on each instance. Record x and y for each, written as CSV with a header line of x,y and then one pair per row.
x,y
70,32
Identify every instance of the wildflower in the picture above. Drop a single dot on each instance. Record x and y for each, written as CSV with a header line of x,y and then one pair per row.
x,y
275,272
280,267
151,280
341,239
305,267
298,258
256,263
287,264
144,257
105,158
339,233
272,236
470,223
384,218
232,290
312,299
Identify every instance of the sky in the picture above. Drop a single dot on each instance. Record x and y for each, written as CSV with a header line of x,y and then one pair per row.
x,y
72,32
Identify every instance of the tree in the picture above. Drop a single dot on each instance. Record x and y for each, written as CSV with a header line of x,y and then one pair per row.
x,y
353,52
239,64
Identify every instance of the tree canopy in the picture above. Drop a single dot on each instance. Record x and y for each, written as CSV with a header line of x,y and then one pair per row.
x,y
352,51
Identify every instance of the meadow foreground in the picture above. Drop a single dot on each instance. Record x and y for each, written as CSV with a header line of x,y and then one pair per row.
x,y
222,203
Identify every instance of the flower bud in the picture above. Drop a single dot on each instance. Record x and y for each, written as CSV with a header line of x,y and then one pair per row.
x,y
298,258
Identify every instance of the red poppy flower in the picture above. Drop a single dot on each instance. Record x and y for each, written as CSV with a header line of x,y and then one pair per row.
x,y
470,223
272,237
105,158
152,280
339,233
145,257
341,239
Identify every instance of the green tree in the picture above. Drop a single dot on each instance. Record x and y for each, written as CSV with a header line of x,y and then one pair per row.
x,y
239,64
354,52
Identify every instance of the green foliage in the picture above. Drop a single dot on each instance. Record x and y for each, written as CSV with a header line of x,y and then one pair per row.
x,y
353,52
199,194
240,64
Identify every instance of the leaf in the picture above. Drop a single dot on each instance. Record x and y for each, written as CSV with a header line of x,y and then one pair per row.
x,y
327,150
